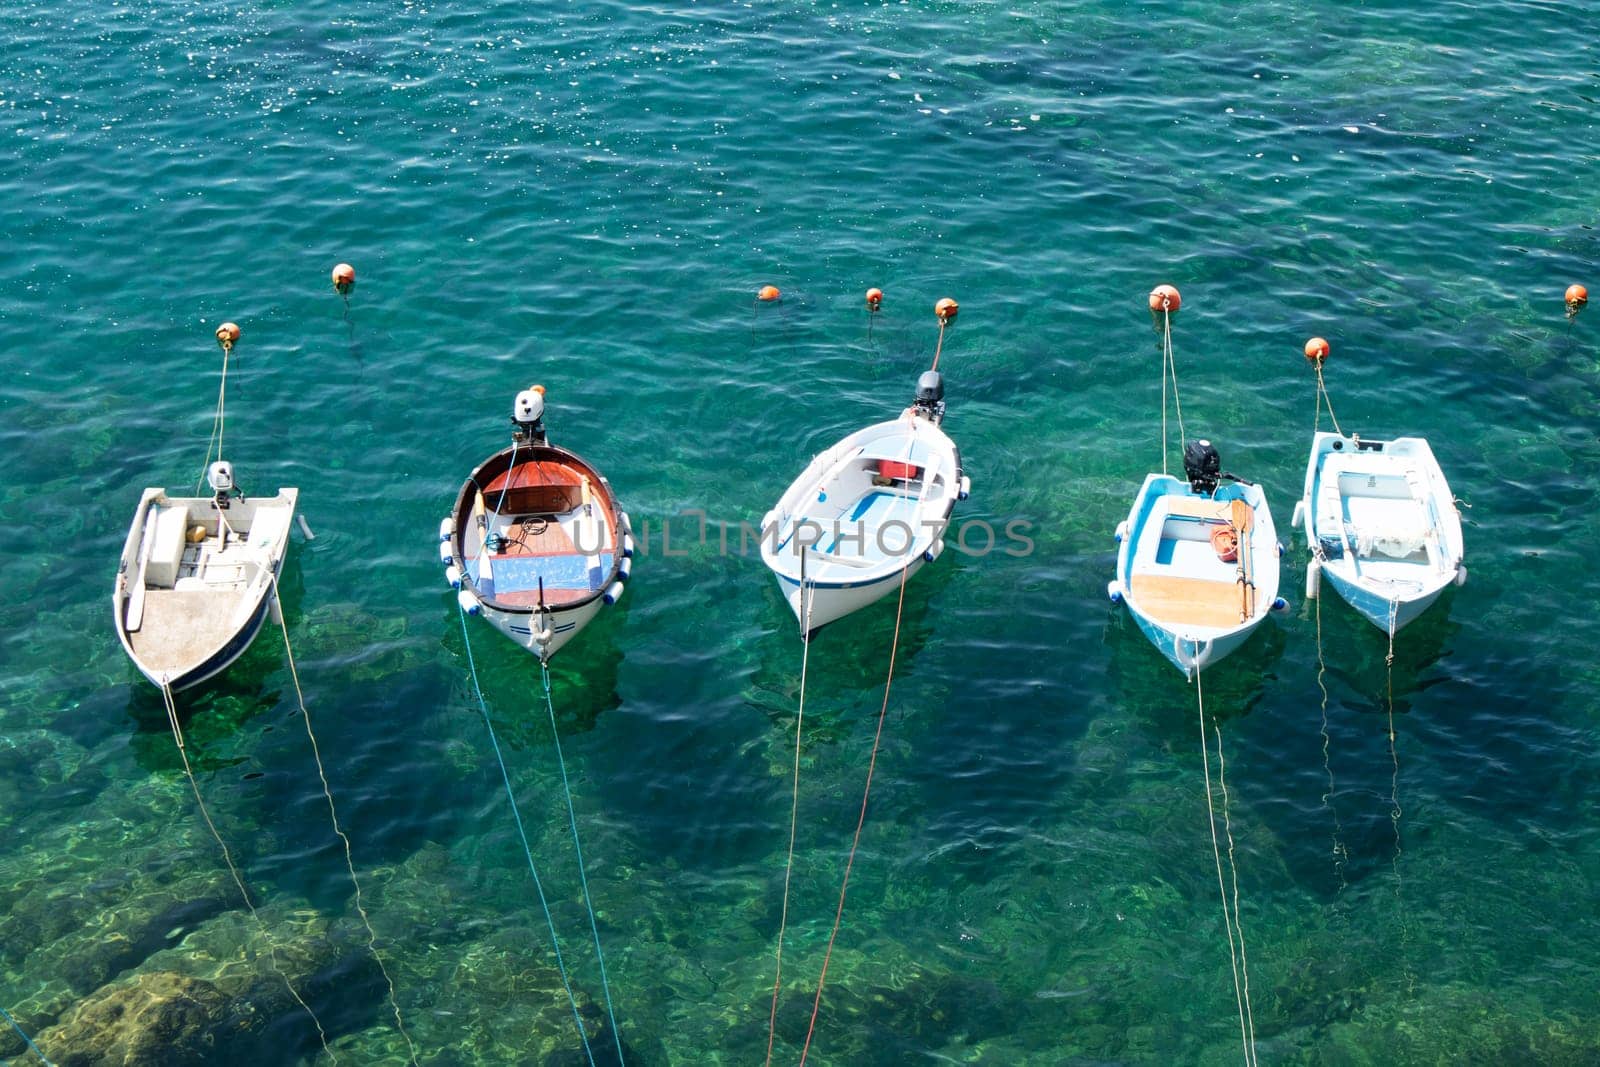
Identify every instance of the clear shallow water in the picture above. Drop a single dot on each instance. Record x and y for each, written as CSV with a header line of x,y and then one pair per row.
x,y
589,197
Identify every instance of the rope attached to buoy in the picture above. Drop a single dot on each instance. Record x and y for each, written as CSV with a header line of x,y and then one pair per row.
x,y
26,1040
1165,300
1230,917
227,856
794,800
583,879
522,834
333,816
945,310
1317,351
227,334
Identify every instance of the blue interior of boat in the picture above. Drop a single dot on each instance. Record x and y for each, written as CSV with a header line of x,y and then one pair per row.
x,y
514,574
858,531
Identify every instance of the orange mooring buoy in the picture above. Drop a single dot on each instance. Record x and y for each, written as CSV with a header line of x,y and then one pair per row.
x,y
874,299
768,293
1317,350
946,309
227,333
344,278
1577,296
1165,298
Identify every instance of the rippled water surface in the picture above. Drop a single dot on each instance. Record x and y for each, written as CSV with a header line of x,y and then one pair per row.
x,y
589,196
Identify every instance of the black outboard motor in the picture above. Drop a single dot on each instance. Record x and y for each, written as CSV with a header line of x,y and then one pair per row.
x,y
930,396
1202,466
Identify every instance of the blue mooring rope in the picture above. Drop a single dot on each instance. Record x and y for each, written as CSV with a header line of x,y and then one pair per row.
x,y
26,1040
523,834
572,819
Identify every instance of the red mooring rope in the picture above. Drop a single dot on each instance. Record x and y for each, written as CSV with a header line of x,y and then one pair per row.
x,y
872,763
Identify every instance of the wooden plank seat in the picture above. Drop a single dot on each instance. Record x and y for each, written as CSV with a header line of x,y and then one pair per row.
x,y
1194,508
1177,601
534,536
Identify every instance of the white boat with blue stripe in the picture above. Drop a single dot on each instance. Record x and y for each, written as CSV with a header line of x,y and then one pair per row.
x,y
1197,563
1382,526
865,512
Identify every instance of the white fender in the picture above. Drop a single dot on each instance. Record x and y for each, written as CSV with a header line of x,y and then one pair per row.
x,y
1461,574
445,555
624,569
614,593
447,528
627,545
624,522
452,574
277,611
469,602
966,488
1299,514
934,552
1121,531
1313,579
1114,591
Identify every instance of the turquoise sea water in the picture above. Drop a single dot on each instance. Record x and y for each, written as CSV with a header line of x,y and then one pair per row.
x,y
588,196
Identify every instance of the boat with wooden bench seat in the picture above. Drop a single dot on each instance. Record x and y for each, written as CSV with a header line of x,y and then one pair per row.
x,y
1198,561
535,541
866,511
1382,525
197,576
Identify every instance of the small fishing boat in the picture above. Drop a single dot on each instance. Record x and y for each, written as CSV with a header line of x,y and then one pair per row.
x,y
1382,525
866,511
536,543
1197,563
197,578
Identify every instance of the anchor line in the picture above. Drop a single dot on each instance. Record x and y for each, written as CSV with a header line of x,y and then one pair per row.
x,y
1229,919
333,816
227,856
1169,369
1233,871
572,819
866,793
216,421
26,1040
794,801
1340,853
1323,397
522,834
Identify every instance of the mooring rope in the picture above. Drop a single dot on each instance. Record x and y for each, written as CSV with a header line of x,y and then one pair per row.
x,y
227,856
522,834
26,1040
1323,397
572,819
333,815
855,842
1233,871
1340,852
216,421
794,802
1169,369
1246,1031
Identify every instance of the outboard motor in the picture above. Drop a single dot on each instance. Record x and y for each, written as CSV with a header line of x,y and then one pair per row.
x,y
1202,466
930,396
220,477
527,415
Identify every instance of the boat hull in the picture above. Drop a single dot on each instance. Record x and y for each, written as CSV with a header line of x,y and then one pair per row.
x,y
185,610
539,588
1195,607
865,514
1382,526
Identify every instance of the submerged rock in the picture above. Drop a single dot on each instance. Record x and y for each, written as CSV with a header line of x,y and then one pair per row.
x,y
159,1019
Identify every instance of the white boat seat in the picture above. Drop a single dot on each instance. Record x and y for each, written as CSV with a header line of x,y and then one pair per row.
x,y
165,551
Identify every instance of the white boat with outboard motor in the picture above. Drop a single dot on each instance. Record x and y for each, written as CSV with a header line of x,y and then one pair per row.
x,y
197,578
1382,526
536,542
1197,562
866,513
